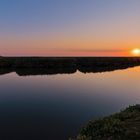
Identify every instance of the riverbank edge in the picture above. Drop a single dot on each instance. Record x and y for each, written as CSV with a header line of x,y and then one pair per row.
x,y
49,62
124,125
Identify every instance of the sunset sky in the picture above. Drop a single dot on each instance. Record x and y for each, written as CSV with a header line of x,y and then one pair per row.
x,y
69,27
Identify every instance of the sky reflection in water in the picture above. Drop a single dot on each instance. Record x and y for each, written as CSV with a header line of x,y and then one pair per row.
x,y
56,106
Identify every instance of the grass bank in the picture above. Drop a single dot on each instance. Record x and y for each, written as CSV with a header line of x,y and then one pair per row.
x,y
77,62
64,65
120,126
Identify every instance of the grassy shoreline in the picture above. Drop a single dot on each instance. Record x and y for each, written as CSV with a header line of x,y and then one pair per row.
x,y
120,126
64,65
33,62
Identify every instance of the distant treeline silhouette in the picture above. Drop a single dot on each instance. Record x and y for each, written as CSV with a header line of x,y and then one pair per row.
x,y
64,65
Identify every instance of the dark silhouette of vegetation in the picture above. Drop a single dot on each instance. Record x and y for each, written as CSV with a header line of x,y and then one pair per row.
x,y
120,126
59,65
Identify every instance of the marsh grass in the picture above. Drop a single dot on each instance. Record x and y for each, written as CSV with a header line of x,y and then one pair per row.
x,y
120,126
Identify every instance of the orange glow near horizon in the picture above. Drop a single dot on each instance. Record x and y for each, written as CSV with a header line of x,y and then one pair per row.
x,y
64,46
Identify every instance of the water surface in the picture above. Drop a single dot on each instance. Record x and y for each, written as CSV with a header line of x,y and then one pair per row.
x,y
54,107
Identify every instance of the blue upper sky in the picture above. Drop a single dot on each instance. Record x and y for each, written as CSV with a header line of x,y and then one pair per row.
x,y
58,13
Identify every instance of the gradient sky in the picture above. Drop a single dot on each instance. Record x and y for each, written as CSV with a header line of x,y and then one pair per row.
x,y
69,27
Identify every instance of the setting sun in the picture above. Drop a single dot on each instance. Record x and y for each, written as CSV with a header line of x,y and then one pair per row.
x,y
136,52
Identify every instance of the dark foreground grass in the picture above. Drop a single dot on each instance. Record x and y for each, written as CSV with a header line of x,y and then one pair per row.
x,y
120,126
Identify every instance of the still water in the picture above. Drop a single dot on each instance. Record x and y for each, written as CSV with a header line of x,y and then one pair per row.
x,y
55,107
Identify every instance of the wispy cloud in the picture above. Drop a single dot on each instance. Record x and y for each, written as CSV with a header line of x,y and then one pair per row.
x,y
97,50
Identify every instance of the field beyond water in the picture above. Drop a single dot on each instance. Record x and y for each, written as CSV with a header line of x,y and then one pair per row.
x,y
49,62
59,65
120,126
